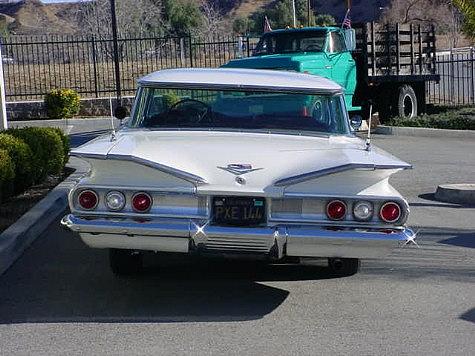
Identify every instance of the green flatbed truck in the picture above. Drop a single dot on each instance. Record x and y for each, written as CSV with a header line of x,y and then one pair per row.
x,y
386,65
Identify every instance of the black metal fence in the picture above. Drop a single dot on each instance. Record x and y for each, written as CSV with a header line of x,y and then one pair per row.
x,y
457,78
33,65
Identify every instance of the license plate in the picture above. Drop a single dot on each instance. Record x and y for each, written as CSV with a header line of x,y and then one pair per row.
x,y
239,211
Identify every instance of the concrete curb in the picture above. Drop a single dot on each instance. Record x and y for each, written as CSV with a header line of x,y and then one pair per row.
x,y
71,126
424,132
456,193
19,236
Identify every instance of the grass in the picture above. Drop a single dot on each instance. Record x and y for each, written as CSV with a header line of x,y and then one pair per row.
x,y
441,117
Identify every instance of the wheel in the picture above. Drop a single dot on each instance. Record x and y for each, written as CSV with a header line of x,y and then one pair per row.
x,y
407,102
344,266
125,262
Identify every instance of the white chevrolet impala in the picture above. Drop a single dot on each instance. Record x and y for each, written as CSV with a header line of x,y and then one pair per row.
x,y
238,162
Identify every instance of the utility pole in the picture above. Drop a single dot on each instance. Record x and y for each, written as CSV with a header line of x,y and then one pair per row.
x,y
293,12
116,51
3,108
309,9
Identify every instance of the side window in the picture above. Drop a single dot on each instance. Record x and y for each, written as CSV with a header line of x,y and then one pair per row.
x,y
336,43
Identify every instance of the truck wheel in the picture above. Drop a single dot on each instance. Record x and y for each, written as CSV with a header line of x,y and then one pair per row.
x,y
344,266
407,102
125,262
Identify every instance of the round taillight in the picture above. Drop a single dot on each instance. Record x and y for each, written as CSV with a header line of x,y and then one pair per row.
x,y
115,200
141,202
363,210
390,212
336,210
88,199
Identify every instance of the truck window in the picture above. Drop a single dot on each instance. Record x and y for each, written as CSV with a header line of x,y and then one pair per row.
x,y
336,43
291,42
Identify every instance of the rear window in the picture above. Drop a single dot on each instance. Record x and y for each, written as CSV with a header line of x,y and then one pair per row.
x,y
167,108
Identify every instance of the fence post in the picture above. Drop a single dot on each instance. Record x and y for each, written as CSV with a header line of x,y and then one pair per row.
x,y
116,52
94,65
451,77
3,108
190,41
398,49
240,44
248,46
473,79
182,51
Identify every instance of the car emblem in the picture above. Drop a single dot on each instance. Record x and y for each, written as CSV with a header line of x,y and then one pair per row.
x,y
239,169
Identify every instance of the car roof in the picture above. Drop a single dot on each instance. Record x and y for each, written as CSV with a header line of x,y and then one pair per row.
x,y
238,79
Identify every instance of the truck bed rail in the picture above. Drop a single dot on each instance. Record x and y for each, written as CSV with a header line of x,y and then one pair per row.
x,y
395,50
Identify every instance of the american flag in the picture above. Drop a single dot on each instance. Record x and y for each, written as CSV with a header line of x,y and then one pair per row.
x,y
346,21
267,27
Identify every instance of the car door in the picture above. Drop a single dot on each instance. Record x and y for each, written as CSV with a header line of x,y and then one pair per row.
x,y
343,66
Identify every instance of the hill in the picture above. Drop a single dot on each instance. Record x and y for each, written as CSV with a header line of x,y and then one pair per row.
x,y
30,17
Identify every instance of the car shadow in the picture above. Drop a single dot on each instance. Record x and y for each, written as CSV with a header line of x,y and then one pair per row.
x,y
466,239
438,203
469,315
61,280
78,139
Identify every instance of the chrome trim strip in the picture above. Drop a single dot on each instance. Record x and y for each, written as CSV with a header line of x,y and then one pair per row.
x,y
335,223
211,86
88,155
161,167
165,191
337,169
330,196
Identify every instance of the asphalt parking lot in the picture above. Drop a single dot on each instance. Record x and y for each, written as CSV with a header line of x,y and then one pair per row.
x,y
60,297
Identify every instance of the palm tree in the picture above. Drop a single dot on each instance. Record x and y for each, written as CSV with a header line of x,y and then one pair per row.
x,y
467,7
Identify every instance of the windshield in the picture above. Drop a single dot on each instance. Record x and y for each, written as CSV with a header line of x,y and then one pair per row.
x,y
288,42
160,108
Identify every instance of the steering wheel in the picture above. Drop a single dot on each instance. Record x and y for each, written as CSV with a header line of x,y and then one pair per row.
x,y
191,109
313,48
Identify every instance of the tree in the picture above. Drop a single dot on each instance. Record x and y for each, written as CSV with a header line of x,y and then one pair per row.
x,y
301,9
324,20
136,17
441,13
467,7
241,25
281,15
183,16
212,23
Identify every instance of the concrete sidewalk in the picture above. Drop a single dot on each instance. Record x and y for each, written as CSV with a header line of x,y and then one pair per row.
x,y
72,126
16,239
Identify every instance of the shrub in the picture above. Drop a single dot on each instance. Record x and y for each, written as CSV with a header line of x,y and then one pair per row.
x,y
66,143
47,148
461,119
62,103
22,159
7,174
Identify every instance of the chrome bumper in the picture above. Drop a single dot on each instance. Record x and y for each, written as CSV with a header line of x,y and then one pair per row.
x,y
184,235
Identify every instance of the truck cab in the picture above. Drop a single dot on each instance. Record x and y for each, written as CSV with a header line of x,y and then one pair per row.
x,y
321,51
381,67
